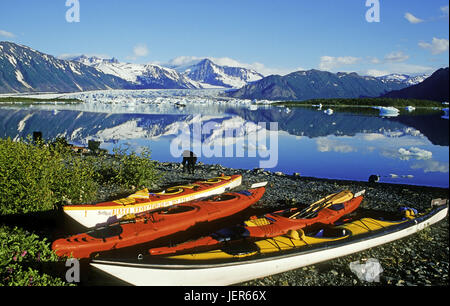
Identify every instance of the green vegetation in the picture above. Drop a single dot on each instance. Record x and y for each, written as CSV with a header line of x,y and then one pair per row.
x,y
363,102
22,257
39,177
127,170
21,100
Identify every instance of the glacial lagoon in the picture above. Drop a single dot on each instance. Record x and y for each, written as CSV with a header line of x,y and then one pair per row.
x,y
409,148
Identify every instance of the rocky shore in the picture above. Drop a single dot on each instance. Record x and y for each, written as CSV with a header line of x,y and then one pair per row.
x,y
421,259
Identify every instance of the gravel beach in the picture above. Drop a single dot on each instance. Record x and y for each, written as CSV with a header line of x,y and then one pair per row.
x,y
421,259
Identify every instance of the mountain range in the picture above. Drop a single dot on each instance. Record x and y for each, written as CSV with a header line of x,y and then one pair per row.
x,y
404,78
434,88
199,74
23,69
314,84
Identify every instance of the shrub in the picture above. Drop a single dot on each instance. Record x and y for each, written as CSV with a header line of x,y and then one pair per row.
x,y
21,255
133,170
35,177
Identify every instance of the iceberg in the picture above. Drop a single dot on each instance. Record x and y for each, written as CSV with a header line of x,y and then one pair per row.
x,y
388,111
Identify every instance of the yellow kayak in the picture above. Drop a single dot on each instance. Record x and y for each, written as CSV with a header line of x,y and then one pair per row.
x,y
247,259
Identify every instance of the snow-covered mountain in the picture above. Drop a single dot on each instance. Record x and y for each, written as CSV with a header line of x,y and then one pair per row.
x,y
434,88
315,84
404,78
200,74
206,71
141,76
23,69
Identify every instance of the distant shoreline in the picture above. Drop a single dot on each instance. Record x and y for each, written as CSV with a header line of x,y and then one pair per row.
x,y
22,100
363,102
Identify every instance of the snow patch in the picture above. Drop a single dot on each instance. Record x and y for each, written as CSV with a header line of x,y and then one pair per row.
x,y
19,77
22,122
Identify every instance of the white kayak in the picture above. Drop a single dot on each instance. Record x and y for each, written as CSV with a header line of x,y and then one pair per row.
x,y
90,215
269,256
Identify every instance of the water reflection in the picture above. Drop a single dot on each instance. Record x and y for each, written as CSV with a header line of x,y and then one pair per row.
x,y
409,148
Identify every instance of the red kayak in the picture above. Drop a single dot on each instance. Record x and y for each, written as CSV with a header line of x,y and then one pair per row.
x,y
270,225
279,223
151,225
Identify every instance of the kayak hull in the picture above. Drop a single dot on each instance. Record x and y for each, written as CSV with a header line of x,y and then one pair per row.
x,y
91,215
180,273
149,226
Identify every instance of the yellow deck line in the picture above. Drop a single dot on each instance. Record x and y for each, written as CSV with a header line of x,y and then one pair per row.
x,y
86,207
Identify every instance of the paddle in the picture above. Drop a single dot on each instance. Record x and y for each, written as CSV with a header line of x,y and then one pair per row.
x,y
316,210
325,202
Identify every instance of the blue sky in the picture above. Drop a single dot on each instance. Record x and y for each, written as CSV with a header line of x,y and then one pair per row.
x,y
412,36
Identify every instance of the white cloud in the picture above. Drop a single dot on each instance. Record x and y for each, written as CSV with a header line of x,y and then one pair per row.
x,y
329,63
444,9
7,34
436,46
69,56
414,152
226,61
140,50
402,68
431,166
412,19
261,68
376,73
373,136
374,60
183,61
330,145
405,68
396,56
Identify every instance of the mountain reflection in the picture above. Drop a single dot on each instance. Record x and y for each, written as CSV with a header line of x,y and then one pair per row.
x,y
409,148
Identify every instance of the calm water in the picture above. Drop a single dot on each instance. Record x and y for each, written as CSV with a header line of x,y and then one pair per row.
x,y
412,148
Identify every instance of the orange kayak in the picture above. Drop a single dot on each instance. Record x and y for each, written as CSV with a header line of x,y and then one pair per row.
x,y
270,225
151,225
90,215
